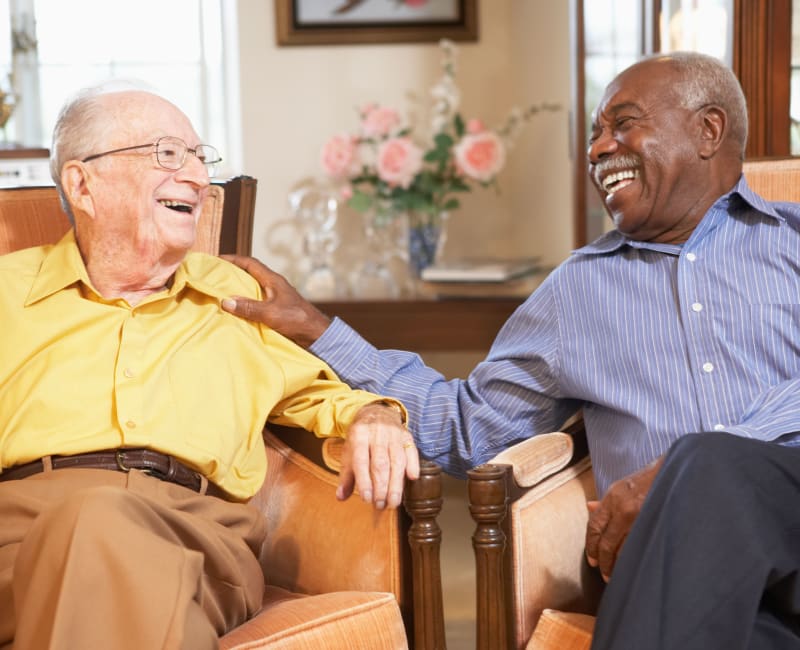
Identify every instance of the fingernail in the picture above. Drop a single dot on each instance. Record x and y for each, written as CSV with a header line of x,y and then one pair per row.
x,y
229,304
367,496
380,505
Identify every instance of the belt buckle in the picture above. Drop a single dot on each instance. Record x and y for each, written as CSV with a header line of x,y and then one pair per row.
x,y
119,457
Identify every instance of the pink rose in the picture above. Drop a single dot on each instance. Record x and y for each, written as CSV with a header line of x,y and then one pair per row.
x,y
475,126
416,3
339,156
481,155
379,121
399,160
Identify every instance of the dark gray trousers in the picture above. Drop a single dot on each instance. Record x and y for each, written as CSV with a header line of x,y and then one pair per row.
x,y
712,559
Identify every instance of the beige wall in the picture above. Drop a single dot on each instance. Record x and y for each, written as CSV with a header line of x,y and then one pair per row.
x,y
294,98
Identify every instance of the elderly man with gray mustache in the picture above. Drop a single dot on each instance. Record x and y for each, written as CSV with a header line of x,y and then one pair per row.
x,y
682,320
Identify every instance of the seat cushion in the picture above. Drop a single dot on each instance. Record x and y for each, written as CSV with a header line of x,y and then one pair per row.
x,y
562,631
344,619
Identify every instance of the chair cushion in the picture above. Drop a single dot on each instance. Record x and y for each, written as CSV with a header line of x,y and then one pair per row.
x,y
355,620
562,631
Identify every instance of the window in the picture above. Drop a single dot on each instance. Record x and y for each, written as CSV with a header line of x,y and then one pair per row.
x,y
180,48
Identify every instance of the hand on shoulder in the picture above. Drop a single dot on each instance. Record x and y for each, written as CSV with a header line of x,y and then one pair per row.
x,y
282,307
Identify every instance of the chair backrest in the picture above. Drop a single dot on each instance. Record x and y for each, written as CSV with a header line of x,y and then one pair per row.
x,y
776,179
32,216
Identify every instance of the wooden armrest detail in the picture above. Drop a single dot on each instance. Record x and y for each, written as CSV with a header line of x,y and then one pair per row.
x,y
487,504
423,503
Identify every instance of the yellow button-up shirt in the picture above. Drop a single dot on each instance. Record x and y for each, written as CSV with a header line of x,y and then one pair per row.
x,y
175,373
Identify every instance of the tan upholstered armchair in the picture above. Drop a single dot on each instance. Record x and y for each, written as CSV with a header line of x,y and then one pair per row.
x,y
339,575
529,505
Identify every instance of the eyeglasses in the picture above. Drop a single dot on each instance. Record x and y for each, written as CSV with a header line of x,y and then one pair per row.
x,y
171,153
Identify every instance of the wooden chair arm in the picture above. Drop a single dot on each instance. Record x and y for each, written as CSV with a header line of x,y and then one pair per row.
x,y
529,506
423,503
316,544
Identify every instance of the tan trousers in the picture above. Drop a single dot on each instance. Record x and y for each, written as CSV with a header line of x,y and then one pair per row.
x,y
95,559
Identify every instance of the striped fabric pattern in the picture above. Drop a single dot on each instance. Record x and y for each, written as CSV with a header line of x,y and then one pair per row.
x,y
653,341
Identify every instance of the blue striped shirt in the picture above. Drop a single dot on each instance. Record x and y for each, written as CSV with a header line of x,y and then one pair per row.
x,y
652,340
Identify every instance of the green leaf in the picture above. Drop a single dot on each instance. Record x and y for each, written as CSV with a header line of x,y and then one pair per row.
x,y
443,141
458,125
436,155
360,202
459,185
451,204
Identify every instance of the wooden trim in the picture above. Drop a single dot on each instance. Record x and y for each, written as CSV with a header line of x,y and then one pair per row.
x,y
238,210
447,325
423,503
288,32
10,151
762,36
578,130
488,503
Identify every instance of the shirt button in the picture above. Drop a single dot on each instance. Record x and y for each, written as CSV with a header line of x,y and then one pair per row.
x,y
130,424
695,307
129,373
708,367
719,427
691,257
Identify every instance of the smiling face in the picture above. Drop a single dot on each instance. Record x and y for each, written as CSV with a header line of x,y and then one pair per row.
x,y
645,155
132,207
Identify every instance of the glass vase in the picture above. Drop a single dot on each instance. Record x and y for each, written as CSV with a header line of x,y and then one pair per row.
x,y
316,209
375,278
427,235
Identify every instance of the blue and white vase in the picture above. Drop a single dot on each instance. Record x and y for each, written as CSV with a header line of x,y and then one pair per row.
x,y
426,238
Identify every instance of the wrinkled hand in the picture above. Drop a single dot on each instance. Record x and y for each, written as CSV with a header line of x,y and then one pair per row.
x,y
283,308
611,519
379,454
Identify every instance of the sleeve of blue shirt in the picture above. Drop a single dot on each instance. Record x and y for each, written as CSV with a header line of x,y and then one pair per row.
x,y
773,414
459,423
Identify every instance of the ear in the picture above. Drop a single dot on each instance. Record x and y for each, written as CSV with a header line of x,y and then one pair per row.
x,y
75,183
713,130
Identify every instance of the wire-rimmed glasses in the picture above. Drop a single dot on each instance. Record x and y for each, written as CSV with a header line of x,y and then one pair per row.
x,y
171,153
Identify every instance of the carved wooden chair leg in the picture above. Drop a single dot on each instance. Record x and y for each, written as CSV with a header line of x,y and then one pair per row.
x,y
487,504
423,502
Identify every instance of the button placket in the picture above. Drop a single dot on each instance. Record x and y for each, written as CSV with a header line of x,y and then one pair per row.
x,y
127,389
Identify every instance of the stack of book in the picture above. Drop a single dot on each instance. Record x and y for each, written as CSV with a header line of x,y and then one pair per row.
x,y
483,277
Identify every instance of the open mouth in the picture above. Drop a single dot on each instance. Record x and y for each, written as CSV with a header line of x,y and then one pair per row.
x,y
178,206
615,181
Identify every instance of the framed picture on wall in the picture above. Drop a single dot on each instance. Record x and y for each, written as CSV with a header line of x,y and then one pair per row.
x,y
338,22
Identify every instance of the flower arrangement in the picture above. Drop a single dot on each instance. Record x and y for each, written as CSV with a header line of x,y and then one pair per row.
x,y
388,168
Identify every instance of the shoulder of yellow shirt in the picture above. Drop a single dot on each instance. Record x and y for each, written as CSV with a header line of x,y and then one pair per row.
x,y
223,276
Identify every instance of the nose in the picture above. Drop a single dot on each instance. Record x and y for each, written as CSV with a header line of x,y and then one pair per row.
x,y
193,171
602,145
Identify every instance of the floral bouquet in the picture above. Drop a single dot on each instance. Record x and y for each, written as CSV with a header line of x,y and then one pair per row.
x,y
388,169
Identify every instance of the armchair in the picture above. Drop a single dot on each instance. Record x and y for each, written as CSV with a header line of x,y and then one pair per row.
x,y
339,575
534,587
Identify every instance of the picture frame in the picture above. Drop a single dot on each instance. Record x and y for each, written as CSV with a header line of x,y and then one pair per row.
x,y
351,22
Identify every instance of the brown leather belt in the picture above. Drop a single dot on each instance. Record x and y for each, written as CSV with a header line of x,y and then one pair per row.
x,y
160,466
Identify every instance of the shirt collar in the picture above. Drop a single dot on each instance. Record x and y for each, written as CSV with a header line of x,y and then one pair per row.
x,y
738,198
63,266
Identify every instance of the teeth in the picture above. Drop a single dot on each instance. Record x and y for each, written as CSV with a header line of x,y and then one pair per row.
x,y
176,205
612,179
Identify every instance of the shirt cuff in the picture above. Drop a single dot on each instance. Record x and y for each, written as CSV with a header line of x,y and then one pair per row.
x,y
341,347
